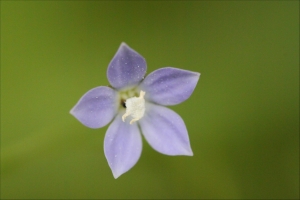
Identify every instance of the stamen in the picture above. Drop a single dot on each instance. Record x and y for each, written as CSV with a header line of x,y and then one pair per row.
x,y
135,107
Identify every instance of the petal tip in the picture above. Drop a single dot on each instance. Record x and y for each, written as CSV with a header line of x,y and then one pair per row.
x,y
190,153
186,152
117,172
72,111
116,175
197,74
123,44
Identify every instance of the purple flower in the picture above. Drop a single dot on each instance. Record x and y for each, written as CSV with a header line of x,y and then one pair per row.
x,y
134,101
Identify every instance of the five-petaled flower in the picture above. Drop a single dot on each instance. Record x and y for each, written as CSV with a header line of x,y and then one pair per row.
x,y
134,101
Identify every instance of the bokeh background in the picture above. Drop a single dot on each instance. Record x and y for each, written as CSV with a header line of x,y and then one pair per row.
x,y
242,119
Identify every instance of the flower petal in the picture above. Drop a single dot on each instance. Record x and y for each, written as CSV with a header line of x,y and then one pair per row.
x,y
165,131
97,107
169,86
127,68
122,146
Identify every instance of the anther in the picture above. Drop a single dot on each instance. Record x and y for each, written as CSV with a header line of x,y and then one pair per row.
x,y
135,107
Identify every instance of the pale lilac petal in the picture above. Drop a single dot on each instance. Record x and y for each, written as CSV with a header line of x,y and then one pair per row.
x,y
127,68
122,146
165,131
169,86
97,107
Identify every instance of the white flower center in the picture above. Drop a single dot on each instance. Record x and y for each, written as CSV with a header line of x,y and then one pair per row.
x,y
135,107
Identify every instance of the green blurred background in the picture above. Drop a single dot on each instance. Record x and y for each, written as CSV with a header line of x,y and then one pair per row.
x,y
242,119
